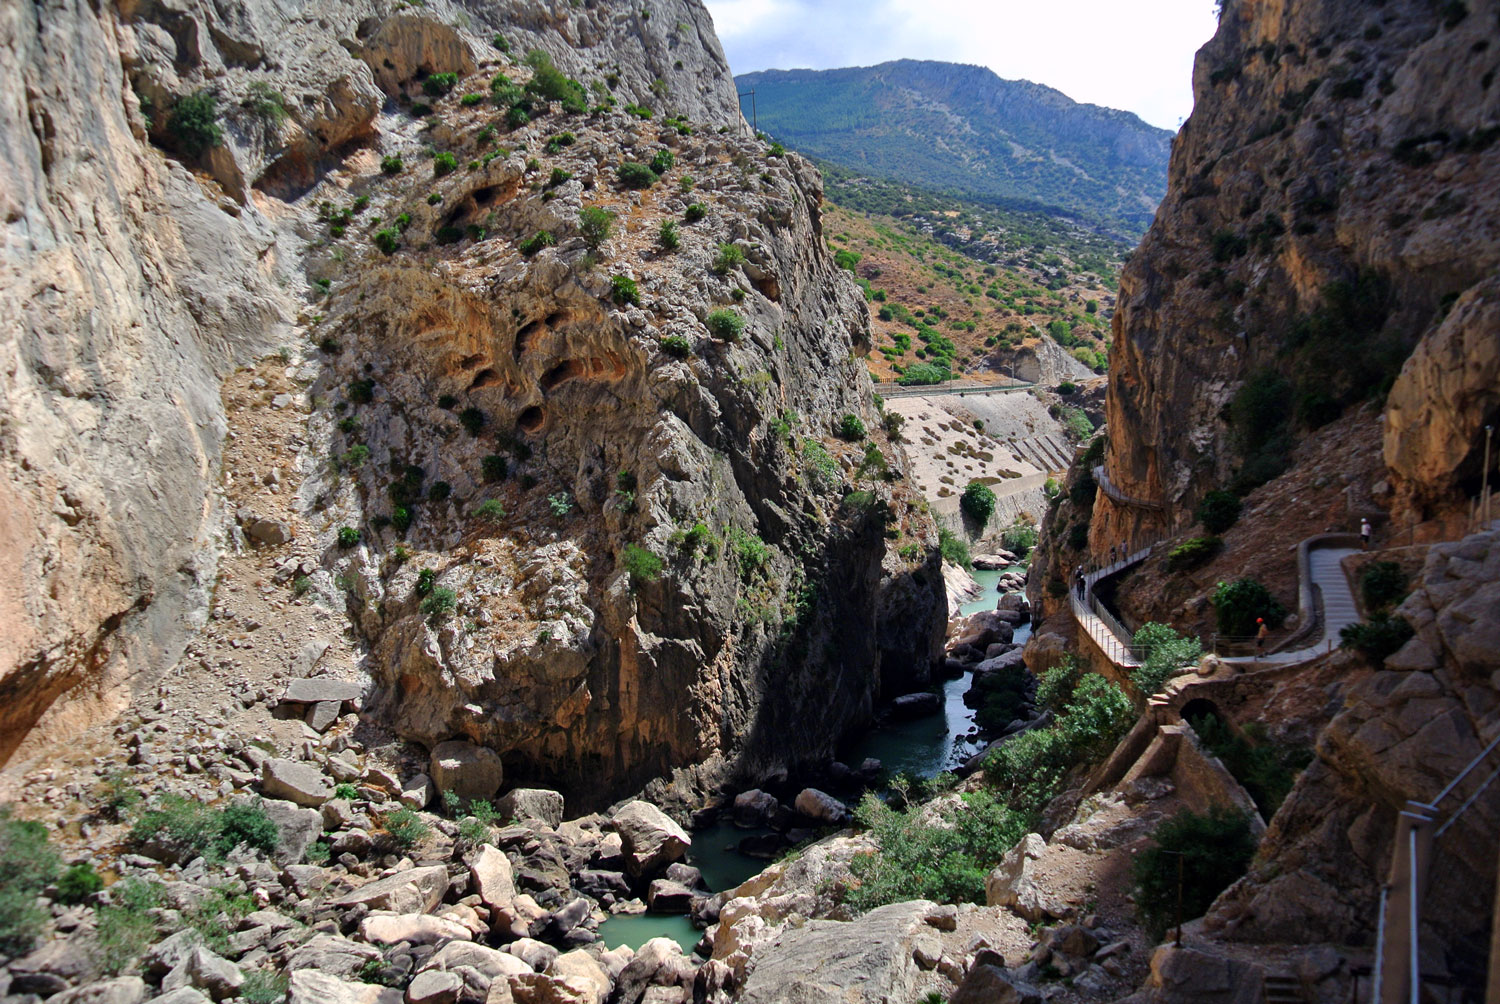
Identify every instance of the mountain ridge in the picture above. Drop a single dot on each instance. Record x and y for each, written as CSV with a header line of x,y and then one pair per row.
x,y
963,128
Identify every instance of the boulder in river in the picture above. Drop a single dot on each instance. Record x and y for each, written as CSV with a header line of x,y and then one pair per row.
x,y
821,806
650,839
754,807
920,705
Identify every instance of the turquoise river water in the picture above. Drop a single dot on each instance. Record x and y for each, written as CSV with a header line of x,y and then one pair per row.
x,y
918,748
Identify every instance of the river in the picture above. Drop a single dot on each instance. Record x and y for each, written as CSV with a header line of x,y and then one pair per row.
x,y
920,748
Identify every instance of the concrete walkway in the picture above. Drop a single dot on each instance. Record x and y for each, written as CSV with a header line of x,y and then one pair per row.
x,y
1324,568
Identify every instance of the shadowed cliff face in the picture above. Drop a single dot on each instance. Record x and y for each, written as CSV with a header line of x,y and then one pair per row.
x,y
137,275
1332,196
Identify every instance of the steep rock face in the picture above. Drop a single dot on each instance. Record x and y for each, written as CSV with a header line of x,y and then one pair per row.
x,y
1404,733
136,274
1331,196
780,610
129,288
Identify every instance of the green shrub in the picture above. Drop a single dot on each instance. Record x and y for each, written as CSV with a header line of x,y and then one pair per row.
x,y
551,84
1381,636
124,928
978,502
1001,697
558,177
695,212
918,860
194,123
443,163
821,469
406,828
426,579
27,864
542,239
402,518
953,547
1028,770
623,290
725,323
1382,584
850,427
729,256
439,603
438,84
472,419
1238,604
557,144
263,987
190,828
494,468
470,100
346,791
639,111
356,455
348,536
1019,539
387,240
439,491
595,224
668,237
1209,850
846,259
490,509
1193,553
633,175
391,164
561,503
1055,689
1266,770
749,551
1166,654
1218,511
676,345
641,564
662,162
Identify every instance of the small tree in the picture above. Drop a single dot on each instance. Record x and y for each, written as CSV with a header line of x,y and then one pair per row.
x,y
595,224
1239,604
1218,511
633,175
641,564
194,123
1209,850
978,502
668,237
850,428
1165,654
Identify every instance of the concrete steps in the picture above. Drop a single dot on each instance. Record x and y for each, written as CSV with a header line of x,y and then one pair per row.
x,y
1283,990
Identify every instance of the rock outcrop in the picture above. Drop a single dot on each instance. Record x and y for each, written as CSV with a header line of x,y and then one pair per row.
x,y
1326,215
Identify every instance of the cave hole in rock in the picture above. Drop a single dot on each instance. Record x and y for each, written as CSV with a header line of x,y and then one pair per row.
x,y
1201,710
486,195
768,287
532,419
568,369
485,378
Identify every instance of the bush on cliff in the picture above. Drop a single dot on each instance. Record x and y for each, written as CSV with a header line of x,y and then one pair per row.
x,y
194,123
1238,604
1166,653
27,863
1209,850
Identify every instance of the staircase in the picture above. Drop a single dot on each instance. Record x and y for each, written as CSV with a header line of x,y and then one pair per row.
x,y
1282,989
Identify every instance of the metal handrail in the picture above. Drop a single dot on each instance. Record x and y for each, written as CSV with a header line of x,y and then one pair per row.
x,y
1108,486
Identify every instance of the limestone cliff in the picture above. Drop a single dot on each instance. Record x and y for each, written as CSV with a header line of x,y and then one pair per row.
x,y
1331,207
140,271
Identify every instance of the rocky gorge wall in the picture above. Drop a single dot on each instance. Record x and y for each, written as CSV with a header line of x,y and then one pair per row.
x,y
1331,209
136,301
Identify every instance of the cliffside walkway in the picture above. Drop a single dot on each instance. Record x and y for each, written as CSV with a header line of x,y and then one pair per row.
x,y
1116,495
1324,594
890,390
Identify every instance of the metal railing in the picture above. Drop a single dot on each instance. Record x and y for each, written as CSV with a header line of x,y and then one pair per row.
x,y
1116,495
1095,618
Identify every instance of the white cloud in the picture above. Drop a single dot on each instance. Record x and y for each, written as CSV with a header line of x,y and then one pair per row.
x,y
1136,56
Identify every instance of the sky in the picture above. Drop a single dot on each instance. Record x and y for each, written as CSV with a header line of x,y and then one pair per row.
x,y
1132,55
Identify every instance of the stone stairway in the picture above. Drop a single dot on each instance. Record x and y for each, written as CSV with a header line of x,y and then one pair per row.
x,y
1281,989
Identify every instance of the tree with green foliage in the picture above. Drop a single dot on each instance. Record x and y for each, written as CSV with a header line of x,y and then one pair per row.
x,y
725,323
595,223
1218,511
978,502
1383,584
849,427
1239,605
953,548
194,123
1208,850
727,258
641,565
1379,637
633,175
624,291
1019,539
27,864
1164,654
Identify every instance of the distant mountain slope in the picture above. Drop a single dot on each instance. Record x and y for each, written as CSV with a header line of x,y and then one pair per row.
x,y
963,129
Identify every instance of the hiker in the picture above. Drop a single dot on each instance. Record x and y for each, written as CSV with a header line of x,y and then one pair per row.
x,y
1079,575
1364,534
1260,637
1112,554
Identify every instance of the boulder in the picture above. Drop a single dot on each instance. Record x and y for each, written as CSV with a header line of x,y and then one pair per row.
x,y
983,628
1185,974
416,928
490,871
416,890
532,952
582,971
162,957
909,706
187,995
688,875
491,962
649,838
658,961
987,984
308,986
206,971
434,986
294,781
566,919
821,807
752,808
538,804
268,531
124,990
321,716
1013,884
1044,651
318,689
467,770
296,829
416,792
666,896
